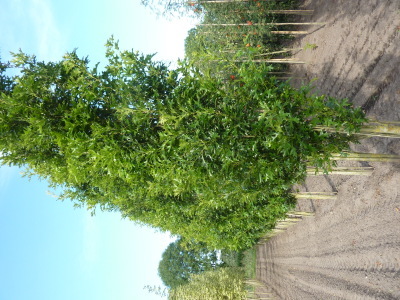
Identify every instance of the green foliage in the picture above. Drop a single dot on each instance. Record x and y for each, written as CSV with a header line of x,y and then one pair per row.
x,y
178,262
235,31
207,159
6,82
220,284
310,46
83,129
232,258
245,259
249,263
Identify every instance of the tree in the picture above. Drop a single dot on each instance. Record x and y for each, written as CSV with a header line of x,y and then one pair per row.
x,y
204,158
221,284
179,262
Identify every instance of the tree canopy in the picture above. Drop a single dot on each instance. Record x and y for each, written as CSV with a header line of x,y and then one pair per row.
x,y
205,158
179,262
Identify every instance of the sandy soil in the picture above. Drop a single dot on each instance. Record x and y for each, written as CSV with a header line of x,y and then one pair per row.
x,y
350,249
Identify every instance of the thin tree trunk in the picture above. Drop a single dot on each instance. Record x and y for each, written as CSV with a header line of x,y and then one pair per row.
x,y
257,296
253,282
267,53
290,32
300,213
272,60
279,73
262,24
365,171
291,12
357,156
315,195
220,1
383,129
290,220
373,129
289,77
278,52
278,11
293,218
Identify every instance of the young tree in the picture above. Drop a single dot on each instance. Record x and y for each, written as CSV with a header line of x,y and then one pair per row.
x,y
221,284
206,159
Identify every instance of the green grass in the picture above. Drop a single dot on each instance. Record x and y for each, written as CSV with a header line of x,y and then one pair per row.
x,y
310,46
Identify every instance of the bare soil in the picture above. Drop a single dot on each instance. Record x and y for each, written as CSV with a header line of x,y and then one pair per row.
x,y
350,249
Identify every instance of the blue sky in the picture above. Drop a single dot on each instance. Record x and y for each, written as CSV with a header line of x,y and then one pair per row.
x,y
48,249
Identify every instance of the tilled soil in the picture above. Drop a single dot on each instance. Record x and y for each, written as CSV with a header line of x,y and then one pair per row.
x,y
350,249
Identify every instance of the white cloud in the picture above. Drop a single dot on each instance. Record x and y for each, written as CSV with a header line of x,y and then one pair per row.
x,y
50,43
30,25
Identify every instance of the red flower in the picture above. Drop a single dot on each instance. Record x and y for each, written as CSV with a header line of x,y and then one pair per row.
x,y
232,77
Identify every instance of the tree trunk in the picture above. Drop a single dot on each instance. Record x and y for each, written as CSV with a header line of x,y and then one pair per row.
x,y
316,195
261,24
373,129
356,156
365,171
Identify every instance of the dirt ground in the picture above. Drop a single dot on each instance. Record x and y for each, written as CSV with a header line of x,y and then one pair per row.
x,y
350,249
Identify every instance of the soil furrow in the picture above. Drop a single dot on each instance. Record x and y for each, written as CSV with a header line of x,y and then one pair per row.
x,y
350,249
